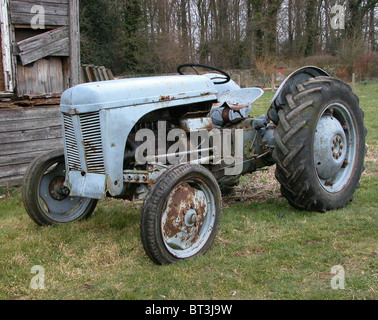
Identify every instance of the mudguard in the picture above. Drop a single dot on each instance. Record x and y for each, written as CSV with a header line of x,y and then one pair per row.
x,y
297,77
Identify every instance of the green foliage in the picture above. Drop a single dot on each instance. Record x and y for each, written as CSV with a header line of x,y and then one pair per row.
x,y
137,36
110,33
96,27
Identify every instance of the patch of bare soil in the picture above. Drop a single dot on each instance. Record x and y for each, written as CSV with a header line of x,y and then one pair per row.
x,y
259,186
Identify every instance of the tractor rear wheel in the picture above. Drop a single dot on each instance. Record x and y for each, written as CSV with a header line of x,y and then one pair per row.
x,y
320,145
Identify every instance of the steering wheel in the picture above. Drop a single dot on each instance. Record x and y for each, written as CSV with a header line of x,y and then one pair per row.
x,y
223,75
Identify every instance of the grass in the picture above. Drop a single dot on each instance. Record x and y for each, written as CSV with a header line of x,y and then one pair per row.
x,y
265,249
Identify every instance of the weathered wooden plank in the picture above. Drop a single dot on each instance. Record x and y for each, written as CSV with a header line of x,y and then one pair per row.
x,y
56,85
75,64
62,53
42,52
96,74
9,79
43,39
36,145
12,114
100,74
90,74
13,170
6,94
110,74
20,125
58,9
50,20
44,2
66,72
20,158
82,76
14,165
11,181
30,135
46,97
36,78
105,74
37,102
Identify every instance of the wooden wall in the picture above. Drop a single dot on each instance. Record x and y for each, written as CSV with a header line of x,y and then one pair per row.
x,y
40,62
42,52
29,83
2,83
24,134
45,60
56,12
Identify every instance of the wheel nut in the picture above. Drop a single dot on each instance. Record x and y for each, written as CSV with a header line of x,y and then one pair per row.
x,y
65,190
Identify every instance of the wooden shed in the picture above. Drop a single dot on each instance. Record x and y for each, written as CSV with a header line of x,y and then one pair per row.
x,y
39,59
40,46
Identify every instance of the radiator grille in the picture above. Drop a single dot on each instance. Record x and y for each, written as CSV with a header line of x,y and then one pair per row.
x,y
91,132
92,143
73,157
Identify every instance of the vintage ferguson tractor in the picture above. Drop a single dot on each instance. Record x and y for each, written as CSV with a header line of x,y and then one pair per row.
x,y
177,141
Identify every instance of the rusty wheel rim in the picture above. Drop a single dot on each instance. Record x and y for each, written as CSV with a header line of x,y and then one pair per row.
x,y
188,218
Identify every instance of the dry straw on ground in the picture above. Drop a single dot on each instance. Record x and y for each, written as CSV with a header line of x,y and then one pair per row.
x,y
259,186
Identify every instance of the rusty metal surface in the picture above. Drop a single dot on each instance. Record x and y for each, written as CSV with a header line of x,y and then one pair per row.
x,y
183,200
142,176
240,99
188,218
57,189
194,124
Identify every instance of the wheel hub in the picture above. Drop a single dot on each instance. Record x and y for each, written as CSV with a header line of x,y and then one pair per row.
x,y
330,147
57,189
338,146
191,218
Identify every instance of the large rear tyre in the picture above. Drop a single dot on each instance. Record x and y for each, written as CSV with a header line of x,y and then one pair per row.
x,y
45,198
181,214
320,145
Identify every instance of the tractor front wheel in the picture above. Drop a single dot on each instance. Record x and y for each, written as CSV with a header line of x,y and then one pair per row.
x,y
181,214
46,199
